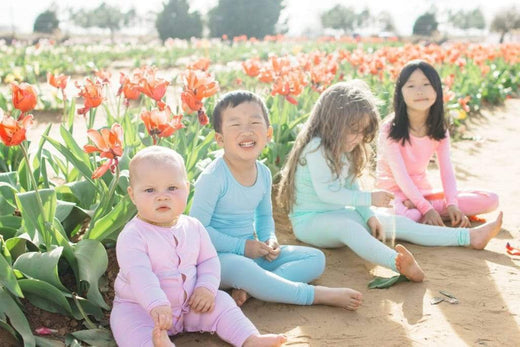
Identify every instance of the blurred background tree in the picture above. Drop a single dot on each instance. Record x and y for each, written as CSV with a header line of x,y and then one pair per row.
x,y
425,24
344,18
506,20
471,19
47,22
175,20
244,17
104,17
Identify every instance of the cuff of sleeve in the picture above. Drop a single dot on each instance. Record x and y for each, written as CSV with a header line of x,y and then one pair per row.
x,y
363,199
157,304
212,287
424,206
452,201
241,247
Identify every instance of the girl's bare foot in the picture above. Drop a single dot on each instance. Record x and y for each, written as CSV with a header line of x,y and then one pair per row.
x,y
160,338
267,340
347,298
480,236
406,264
240,296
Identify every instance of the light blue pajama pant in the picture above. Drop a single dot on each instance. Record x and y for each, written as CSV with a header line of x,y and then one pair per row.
x,y
346,227
282,280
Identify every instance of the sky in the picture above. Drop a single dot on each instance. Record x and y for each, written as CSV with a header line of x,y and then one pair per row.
x,y
303,15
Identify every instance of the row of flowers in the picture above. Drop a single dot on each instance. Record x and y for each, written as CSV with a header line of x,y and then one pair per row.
x,y
67,200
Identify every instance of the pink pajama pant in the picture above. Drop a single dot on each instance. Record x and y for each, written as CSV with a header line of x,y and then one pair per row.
x,y
470,203
132,326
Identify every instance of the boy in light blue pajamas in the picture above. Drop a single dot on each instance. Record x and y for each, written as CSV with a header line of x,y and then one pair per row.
x,y
233,201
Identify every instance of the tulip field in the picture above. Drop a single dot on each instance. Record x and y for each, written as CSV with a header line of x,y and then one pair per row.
x,y
64,198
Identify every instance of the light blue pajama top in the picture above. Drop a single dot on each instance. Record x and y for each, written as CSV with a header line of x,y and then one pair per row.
x,y
317,190
231,212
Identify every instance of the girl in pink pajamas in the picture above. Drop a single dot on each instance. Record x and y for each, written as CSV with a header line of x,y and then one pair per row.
x,y
169,270
408,140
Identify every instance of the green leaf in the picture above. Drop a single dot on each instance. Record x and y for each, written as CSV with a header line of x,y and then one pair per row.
x,y
113,221
17,245
77,159
8,278
42,266
44,342
17,318
9,226
96,337
83,191
7,198
45,296
383,282
31,212
92,262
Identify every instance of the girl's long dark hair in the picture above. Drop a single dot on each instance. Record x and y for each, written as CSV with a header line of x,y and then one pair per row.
x,y
435,123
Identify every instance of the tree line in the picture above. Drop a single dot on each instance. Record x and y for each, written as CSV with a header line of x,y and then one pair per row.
x,y
231,18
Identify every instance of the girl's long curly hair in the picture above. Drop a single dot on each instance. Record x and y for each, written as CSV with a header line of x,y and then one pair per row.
x,y
345,107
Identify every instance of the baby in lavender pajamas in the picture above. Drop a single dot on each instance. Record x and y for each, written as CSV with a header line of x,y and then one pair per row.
x,y
169,270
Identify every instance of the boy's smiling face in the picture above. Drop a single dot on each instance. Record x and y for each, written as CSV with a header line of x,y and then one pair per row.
x,y
244,132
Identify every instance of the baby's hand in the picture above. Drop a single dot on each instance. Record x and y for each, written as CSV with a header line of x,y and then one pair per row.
x,y
202,300
275,250
382,198
256,249
162,317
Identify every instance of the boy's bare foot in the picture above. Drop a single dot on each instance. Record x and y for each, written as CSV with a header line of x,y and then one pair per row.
x,y
347,298
240,296
406,264
267,340
480,236
160,338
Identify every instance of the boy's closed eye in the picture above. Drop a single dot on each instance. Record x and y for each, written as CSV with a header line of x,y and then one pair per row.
x,y
149,190
172,188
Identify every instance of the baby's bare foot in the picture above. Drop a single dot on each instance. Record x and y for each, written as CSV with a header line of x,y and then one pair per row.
x,y
480,236
240,296
267,340
347,298
406,264
160,338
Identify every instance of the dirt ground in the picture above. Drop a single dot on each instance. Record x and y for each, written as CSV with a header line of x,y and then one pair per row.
x,y
487,282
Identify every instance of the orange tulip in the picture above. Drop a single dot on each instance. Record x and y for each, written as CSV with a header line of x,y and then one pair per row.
x,y
197,86
200,64
57,81
251,67
129,88
24,96
109,143
91,92
153,87
161,123
12,132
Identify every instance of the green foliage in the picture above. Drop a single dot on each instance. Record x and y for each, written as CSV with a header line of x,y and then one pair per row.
x,y
46,22
105,17
244,17
425,24
467,19
176,21
344,18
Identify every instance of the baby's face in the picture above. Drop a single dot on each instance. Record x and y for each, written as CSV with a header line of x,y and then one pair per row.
x,y
159,191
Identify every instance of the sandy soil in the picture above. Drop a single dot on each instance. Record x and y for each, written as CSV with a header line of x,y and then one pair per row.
x,y
487,282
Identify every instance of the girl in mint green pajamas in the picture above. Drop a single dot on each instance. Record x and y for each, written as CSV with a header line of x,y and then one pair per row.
x,y
326,207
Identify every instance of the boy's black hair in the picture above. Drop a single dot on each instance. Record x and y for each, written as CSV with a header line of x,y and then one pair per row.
x,y
233,99
435,123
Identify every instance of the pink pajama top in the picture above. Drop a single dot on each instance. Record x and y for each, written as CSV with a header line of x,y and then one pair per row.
x,y
163,265
402,169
